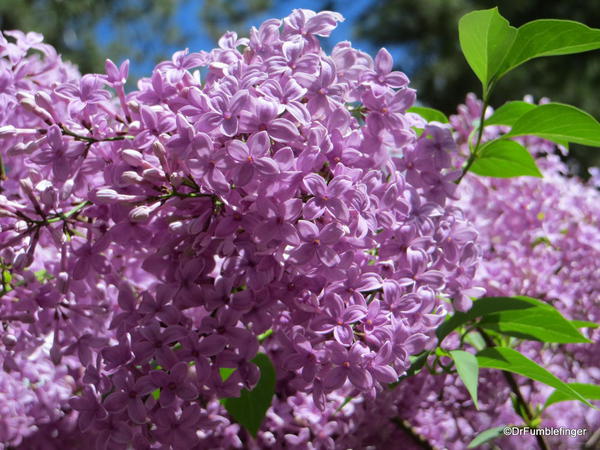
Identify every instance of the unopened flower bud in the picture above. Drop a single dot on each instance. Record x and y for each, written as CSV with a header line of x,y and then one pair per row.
x,y
111,196
62,282
55,353
161,153
140,213
177,179
176,227
8,131
9,340
29,104
153,175
20,226
133,105
133,158
131,177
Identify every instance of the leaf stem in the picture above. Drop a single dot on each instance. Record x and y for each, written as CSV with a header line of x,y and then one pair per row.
x,y
410,431
475,150
514,387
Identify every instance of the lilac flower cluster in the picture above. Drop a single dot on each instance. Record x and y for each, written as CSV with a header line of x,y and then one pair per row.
x,y
282,202
539,238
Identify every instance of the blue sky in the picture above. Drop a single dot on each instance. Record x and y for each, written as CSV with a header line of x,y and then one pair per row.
x,y
187,18
188,14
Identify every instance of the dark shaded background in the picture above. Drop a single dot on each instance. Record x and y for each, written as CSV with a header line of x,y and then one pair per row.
x,y
423,34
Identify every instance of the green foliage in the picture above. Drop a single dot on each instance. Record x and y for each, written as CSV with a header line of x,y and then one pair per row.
x,y
417,364
250,407
589,391
509,113
225,373
504,159
429,114
548,37
486,436
485,39
584,324
493,48
538,324
427,32
510,360
555,121
494,309
468,370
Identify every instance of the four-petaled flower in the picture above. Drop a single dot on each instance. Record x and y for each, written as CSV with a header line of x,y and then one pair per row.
x,y
317,243
349,364
339,318
251,156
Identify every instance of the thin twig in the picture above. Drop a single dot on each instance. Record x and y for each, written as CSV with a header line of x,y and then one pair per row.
x,y
473,155
514,387
417,438
90,139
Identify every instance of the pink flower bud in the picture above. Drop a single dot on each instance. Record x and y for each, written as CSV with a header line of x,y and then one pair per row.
x,y
140,213
111,196
133,105
153,175
133,158
62,282
8,131
9,340
131,177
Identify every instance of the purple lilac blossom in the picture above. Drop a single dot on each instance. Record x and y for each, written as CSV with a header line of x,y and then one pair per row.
x,y
147,232
147,240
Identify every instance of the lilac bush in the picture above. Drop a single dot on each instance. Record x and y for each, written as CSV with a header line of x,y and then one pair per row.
x,y
538,238
263,198
150,238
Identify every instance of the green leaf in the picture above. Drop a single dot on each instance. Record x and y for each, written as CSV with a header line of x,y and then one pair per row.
x,y
537,324
486,436
265,335
226,372
485,39
250,407
429,114
556,121
417,363
584,324
589,391
549,37
43,275
468,371
475,340
503,158
344,403
486,306
510,360
418,131
508,113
